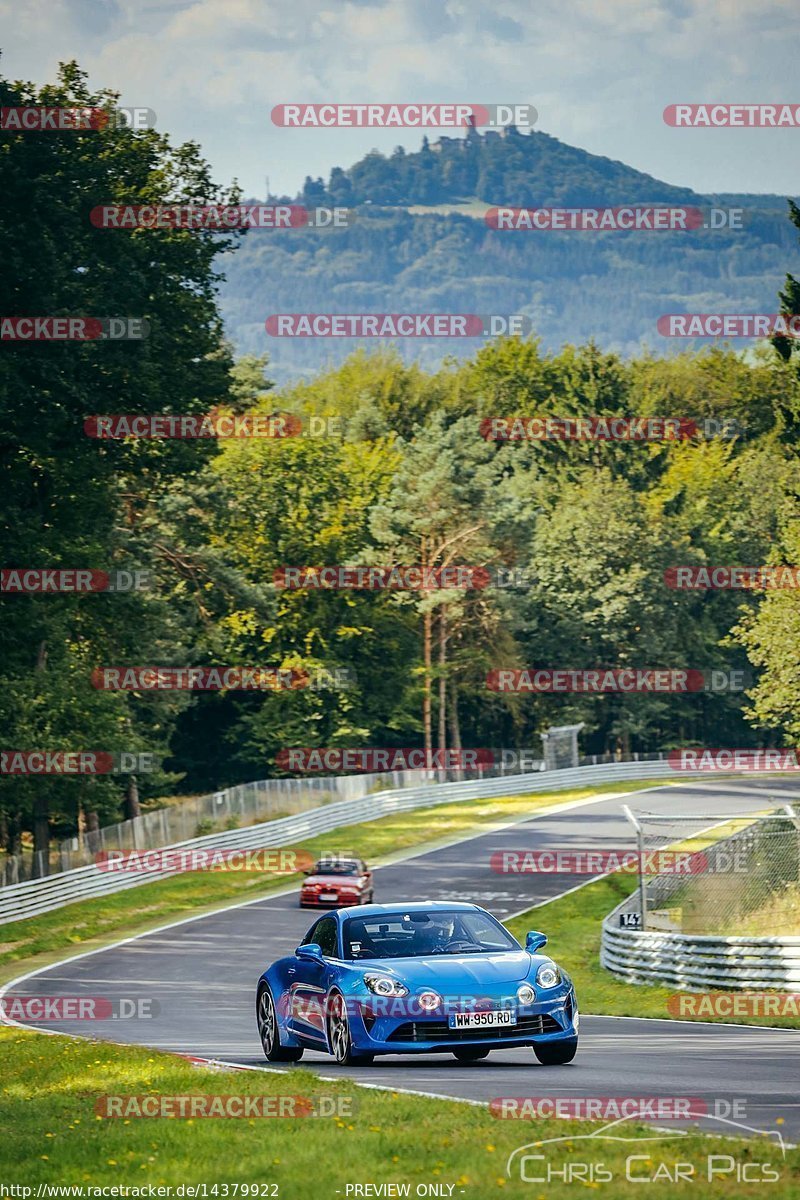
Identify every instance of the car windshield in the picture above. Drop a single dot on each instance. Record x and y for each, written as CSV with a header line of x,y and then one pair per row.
x,y
335,867
416,934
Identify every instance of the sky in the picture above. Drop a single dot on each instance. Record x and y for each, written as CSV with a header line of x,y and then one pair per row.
x,y
599,72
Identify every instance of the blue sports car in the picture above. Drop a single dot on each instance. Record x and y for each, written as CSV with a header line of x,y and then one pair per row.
x,y
415,979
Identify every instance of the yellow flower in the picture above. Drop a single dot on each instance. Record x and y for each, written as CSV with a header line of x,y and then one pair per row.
x,y
490,1149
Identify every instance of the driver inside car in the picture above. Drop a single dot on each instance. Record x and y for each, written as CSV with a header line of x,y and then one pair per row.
x,y
432,937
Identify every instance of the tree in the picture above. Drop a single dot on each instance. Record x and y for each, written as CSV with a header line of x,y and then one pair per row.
x,y
71,500
439,514
790,298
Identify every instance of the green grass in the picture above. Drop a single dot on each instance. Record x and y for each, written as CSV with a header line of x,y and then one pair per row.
x,y
90,924
778,916
51,1133
573,926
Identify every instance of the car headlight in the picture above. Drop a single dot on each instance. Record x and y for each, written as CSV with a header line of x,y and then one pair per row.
x,y
382,985
429,1000
548,975
526,994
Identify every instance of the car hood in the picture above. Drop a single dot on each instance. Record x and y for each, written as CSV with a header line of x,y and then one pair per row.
x,y
334,880
448,970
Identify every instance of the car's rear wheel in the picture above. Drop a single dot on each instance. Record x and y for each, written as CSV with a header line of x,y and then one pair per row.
x,y
339,1036
470,1054
556,1054
268,1031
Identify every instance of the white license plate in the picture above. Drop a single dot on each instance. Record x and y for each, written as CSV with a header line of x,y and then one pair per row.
x,y
479,1020
328,895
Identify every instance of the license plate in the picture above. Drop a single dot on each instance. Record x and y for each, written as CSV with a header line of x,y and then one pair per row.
x,y
479,1020
327,895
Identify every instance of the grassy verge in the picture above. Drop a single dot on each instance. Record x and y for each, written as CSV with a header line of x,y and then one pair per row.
x,y
573,924
50,1087
90,924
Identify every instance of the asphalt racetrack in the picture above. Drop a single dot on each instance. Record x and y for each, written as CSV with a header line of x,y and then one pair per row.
x,y
202,974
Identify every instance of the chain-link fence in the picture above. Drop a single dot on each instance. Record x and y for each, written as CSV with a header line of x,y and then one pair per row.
x,y
245,804
727,875
249,803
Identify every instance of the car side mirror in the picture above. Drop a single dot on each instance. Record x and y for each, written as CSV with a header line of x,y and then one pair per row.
x,y
311,952
535,940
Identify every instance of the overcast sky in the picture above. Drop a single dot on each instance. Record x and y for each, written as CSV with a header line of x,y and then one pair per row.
x,y
599,73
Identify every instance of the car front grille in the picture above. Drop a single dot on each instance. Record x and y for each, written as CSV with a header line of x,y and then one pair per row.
x,y
440,1031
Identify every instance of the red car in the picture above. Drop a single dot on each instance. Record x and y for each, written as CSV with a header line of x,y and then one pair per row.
x,y
336,882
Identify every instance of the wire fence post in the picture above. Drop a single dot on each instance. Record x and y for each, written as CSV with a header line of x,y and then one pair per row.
x,y
642,881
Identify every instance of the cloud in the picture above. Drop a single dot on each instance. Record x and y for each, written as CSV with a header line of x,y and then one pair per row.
x,y
600,73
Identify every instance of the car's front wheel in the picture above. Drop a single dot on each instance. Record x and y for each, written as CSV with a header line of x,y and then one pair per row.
x,y
268,1031
470,1054
556,1054
339,1036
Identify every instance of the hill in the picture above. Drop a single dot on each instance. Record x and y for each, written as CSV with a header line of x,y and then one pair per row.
x,y
420,244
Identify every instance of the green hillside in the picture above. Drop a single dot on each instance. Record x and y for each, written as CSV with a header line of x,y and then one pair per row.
x,y
420,244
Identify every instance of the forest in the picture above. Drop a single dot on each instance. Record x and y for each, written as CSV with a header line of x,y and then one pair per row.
x,y
379,461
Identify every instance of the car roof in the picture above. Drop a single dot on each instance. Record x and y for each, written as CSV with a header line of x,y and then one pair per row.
x,y
375,910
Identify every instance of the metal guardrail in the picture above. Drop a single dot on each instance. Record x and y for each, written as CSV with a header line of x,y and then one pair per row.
x,y
241,805
245,804
698,961
37,896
